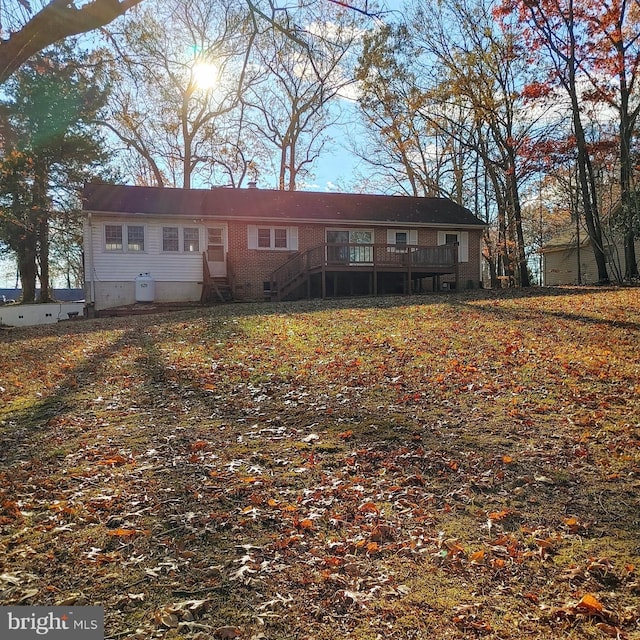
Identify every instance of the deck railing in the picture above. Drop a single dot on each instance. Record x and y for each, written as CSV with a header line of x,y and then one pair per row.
x,y
356,256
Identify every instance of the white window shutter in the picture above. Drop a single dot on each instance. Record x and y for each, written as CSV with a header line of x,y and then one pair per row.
x,y
463,247
442,237
413,236
293,238
252,237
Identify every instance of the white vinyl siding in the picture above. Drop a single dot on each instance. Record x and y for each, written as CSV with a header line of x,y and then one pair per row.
x,y
272,238
181,266
461,237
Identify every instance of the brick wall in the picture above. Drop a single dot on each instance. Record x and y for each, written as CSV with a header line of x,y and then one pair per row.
x,y
251,268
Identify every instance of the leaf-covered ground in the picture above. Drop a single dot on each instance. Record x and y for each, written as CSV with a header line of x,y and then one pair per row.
x,y
451,466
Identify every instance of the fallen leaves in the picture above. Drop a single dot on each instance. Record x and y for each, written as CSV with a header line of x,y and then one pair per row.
x,y
437,464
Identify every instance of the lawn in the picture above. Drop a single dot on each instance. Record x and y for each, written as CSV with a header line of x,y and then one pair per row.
x,y
453,466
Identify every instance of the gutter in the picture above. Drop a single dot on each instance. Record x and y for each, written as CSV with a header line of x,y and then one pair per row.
x,y
281,221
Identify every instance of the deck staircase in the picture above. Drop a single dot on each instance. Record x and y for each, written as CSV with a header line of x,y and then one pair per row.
x,y
214,288
290,277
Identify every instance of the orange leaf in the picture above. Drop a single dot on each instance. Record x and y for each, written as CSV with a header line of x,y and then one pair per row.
x,y
124,533
477,557
113,460
369,507
507,459
590,604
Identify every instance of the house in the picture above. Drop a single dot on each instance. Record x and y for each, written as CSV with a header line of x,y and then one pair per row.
x,y
179,245
564,257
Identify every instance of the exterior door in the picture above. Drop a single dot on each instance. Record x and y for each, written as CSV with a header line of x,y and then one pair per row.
x,y
217,250
342,246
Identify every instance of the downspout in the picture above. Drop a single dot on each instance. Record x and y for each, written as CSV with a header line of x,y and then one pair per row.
x,y
89,261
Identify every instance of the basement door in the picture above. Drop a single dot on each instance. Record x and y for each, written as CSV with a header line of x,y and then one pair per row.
x,y
217,250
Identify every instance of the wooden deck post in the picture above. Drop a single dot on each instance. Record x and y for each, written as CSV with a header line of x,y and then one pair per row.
x,y
456,274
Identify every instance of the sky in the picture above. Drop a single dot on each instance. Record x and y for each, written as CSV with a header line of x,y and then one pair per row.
x,y
337,169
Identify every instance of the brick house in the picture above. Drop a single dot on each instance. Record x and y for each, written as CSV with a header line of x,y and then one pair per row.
x,y
177,245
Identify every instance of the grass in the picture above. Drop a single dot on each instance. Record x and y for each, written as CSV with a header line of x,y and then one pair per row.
x,y
450,466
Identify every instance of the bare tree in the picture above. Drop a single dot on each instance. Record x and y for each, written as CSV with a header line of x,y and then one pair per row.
x,y
181,67
291,107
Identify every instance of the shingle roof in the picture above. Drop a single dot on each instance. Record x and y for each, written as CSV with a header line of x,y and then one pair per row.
x,y
565,239
268,204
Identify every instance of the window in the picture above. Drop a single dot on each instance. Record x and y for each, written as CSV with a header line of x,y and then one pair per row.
x,y
274,238
113,237
170,239
264,238
280,238
215,244
451,238
401,238
191,239
135,238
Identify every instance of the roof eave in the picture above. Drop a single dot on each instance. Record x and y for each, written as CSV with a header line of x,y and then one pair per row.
x,y
281,221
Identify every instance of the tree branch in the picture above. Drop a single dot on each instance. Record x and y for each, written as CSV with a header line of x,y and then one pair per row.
x,y
59,19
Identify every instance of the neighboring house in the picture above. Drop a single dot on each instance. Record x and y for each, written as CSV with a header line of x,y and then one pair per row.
x,y
175,245
563,258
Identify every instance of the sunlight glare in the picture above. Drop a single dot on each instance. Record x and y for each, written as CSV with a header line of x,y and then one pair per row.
x,y
204,75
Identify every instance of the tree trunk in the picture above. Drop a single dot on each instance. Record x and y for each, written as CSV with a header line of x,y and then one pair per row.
x,y
585,170
629,211
43,244
521,255
40,224
27,267
631,261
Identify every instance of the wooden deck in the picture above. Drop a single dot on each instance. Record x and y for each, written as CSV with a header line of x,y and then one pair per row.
x,y
323,262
